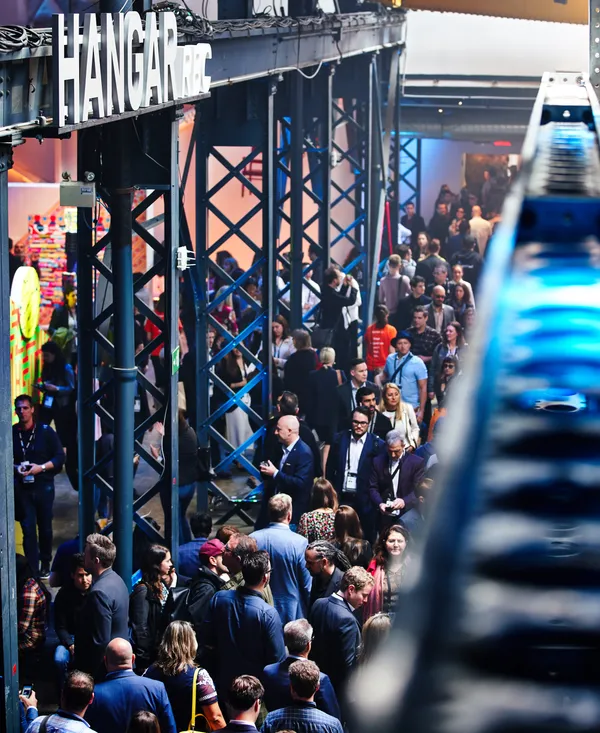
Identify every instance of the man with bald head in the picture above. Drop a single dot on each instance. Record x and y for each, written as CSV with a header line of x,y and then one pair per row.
x,y
439,315
123,694
293,476
481,229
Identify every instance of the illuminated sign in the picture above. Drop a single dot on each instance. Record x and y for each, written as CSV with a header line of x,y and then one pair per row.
x,y
121,65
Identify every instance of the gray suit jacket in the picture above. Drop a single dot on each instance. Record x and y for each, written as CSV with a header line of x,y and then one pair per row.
x,y
449,315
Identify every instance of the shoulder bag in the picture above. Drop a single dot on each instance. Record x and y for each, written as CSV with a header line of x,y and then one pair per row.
x,y
194,715
400,369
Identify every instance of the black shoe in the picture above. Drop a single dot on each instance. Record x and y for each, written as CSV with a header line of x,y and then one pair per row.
x,y
224,474
45,571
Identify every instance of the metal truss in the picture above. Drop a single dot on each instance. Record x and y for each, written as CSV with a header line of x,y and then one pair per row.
x,y
108,294
305,128
408,156
256,131
353,120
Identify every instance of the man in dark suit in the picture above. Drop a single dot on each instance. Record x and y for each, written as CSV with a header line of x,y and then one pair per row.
x,y
347,391
294,475
105,615
327,566
393,480
244,698
241,632
413,221
337,632
379,424
276,678
439,315
272,449
426,267
123,693
351,457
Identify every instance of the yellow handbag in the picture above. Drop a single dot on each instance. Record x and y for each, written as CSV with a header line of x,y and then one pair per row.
x,y
192,726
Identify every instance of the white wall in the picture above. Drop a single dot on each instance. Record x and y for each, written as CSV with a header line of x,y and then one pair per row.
x,y
453,43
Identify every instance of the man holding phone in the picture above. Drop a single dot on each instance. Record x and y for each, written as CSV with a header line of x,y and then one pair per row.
x,y
37,456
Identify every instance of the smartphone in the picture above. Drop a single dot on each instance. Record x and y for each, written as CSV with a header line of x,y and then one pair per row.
x,y
26,691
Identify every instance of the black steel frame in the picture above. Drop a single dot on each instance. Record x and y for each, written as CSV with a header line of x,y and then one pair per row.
x,y
98,388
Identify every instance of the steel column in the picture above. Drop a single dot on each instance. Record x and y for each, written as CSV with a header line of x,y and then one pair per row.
x,y
325,145
124,368
269,225
9,648
171,338
410,172
204,387
297,194
381,153
87,141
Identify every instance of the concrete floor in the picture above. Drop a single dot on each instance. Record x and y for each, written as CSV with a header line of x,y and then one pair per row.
x,y
66,502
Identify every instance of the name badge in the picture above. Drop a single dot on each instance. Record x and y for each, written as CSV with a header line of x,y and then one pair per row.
x,y
350,483
137,405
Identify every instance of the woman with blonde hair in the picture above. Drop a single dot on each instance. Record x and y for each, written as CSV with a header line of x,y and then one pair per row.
x,y
321,413
401,414
176,668
374,634
317,524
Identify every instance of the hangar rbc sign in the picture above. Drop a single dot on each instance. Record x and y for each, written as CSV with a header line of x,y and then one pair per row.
x,y
121,65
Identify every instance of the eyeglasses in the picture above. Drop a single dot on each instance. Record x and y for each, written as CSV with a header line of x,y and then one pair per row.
x,y
359,422
449,366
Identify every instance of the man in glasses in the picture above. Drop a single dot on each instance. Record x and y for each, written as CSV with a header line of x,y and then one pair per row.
x,y
350,462
439,315
394,479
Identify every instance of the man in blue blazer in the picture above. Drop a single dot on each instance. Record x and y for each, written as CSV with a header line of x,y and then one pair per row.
x,y
293,476
105,614
337,631
123,694
290,580
276,677
349,466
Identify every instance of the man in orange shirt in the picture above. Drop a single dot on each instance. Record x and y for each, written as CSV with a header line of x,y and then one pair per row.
x,y
379,337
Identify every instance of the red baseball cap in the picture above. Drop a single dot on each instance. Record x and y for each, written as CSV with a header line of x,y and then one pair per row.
x,y
212,548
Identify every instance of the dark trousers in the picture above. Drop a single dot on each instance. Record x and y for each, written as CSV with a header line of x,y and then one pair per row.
x,y
186,494
65,422
36,509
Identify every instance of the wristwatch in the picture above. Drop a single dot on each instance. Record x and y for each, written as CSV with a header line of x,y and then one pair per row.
x,y
43,467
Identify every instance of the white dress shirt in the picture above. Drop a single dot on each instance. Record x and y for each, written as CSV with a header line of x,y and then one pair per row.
x,y
355,450
284,457
396,478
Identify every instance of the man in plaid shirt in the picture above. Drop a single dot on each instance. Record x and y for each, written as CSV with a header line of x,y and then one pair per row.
x,y
302,716
32,609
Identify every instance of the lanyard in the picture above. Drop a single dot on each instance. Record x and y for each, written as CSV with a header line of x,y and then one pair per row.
x,y
25,448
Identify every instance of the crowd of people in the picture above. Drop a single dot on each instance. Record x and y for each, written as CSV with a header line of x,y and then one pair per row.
x,y
263,630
